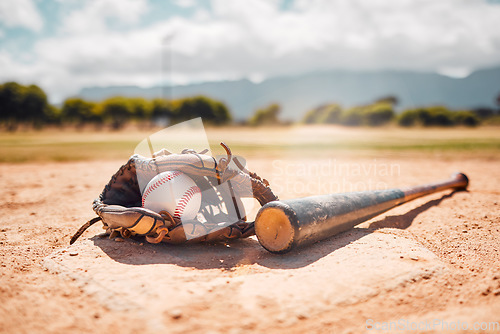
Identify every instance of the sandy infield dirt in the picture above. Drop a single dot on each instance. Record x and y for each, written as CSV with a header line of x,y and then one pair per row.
x,y
436,258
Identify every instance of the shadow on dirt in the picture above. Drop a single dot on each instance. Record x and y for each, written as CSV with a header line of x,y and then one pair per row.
x,y
404,221
136,251
222,256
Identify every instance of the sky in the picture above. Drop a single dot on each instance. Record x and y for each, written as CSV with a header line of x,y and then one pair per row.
x,y
65,45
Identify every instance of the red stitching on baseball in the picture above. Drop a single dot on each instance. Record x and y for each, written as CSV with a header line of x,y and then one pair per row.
x,y
165,178
183,202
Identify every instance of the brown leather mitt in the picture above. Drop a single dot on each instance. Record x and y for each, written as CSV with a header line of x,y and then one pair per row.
x,y
223,184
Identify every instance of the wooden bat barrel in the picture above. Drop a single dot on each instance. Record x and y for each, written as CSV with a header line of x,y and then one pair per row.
x,y
281,226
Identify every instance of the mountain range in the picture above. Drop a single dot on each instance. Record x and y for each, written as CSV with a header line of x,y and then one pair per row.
x,y
300,93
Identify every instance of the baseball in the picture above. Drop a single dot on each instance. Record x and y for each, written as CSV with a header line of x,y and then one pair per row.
x,y
175,192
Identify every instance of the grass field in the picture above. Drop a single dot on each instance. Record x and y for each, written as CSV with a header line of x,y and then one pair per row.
x,y
71,145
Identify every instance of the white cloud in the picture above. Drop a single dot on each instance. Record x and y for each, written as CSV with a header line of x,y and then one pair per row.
x,y
20,13
255,39
94,14
454,72
185,3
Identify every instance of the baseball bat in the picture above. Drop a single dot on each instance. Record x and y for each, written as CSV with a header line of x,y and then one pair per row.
x,y
281,226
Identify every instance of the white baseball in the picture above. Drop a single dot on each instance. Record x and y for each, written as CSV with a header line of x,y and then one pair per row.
x,y
174,192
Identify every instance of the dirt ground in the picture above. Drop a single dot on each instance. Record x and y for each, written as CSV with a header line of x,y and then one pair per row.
x,y
42,205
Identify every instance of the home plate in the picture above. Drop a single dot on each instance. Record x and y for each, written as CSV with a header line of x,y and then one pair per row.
x,y
150,280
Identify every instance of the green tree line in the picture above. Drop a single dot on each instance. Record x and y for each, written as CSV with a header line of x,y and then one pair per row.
x,y
267,116
376,114
28,105
381,112
24,104
118,110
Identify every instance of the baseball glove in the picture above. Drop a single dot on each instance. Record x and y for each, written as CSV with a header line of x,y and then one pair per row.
x,y
221,218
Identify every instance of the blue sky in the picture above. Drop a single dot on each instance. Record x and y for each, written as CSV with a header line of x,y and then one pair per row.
x,y
64,45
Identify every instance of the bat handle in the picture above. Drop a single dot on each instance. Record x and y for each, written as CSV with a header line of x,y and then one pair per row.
x,y
458,181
